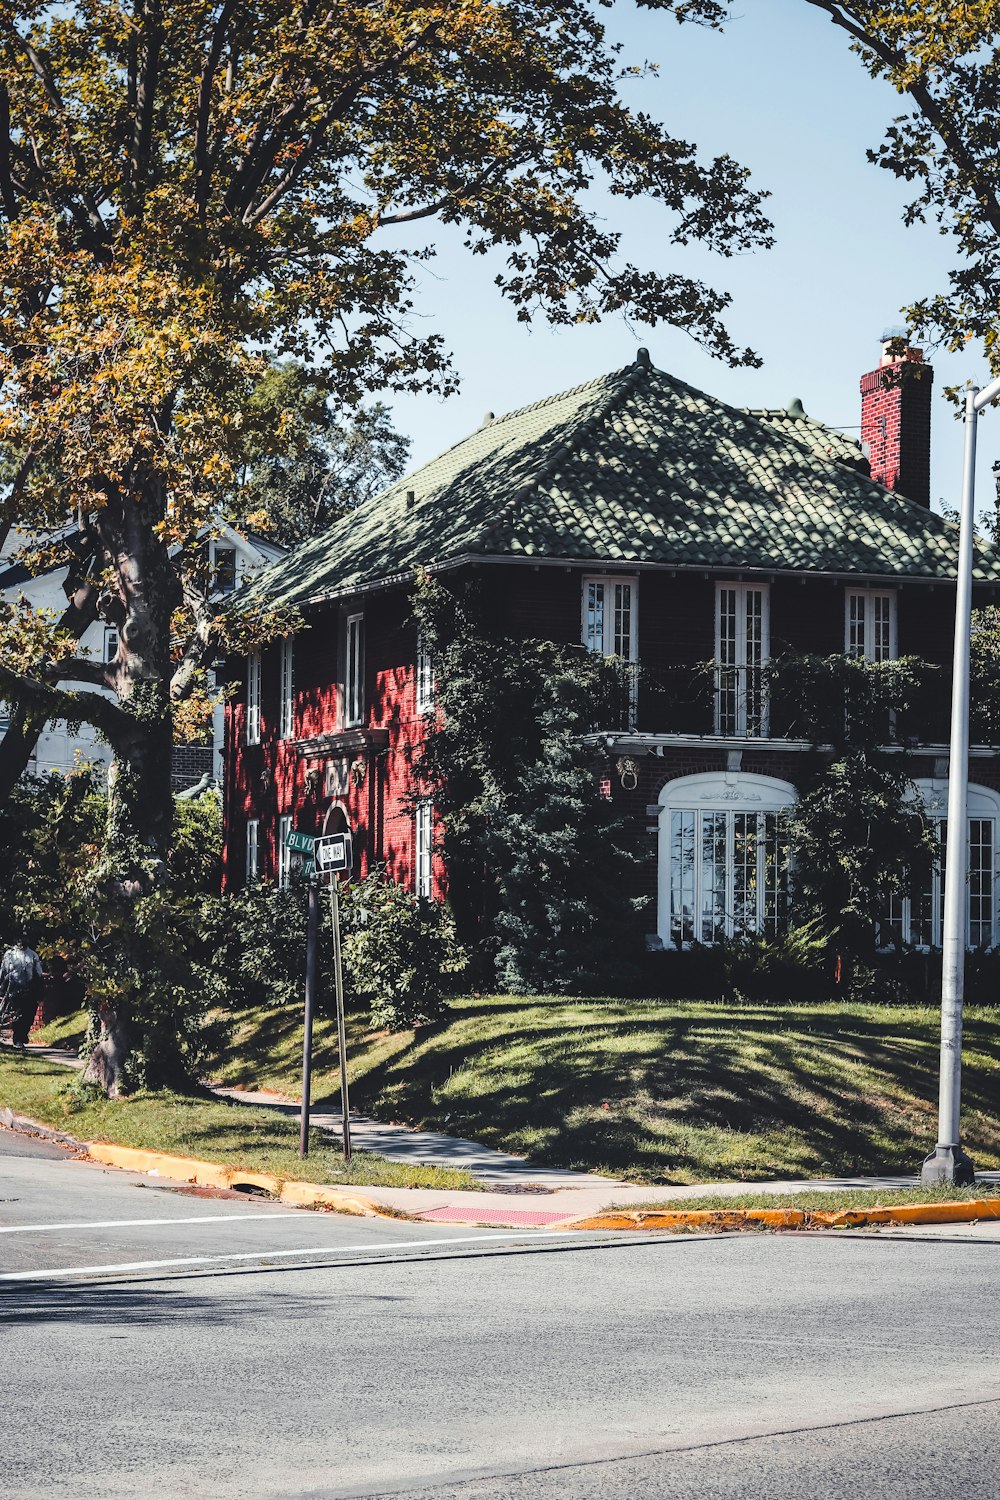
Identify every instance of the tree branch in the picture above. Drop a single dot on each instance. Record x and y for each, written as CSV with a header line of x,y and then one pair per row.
x,y
202,168
930,109
7,194
147,79
66,703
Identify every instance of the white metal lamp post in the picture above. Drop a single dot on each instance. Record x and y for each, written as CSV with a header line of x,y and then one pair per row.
x,y
948,1162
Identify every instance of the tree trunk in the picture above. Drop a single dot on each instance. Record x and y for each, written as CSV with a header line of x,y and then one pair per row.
x,y
16,749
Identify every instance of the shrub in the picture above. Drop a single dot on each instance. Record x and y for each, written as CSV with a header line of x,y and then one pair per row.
x,y
399,951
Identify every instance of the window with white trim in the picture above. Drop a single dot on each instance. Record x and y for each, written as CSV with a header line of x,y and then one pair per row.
x,y
424,676
225,569
286,715
253,698
354,671
611,625
284,853
110,642
724,857
870,624
253,850
916,921
424,851
742,648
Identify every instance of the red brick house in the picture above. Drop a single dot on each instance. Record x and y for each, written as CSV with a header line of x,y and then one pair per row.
x,y
650,521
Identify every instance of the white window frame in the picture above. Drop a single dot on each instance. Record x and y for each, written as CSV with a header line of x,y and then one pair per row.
x,y
424,677
869,645
253,851
112,637
253,698
354,671
284,853
721,796
286,714
423,850
612,637
227,550
742,708
983,808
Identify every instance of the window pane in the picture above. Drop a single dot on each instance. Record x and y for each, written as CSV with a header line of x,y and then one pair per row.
x,y
225,569
746,917
855,624
775,877
354,668
622,643
880,627
284,853
728,686
980,882
682,854
253,698
713,877
593,625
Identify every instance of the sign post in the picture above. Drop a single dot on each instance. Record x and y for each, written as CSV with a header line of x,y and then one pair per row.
x,y
335,857
312,933
302,844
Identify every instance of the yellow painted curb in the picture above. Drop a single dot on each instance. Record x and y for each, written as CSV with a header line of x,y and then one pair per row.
x,y
793,1218
213,1174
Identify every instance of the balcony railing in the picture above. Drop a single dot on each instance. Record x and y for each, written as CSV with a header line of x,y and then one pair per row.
x,y
741,702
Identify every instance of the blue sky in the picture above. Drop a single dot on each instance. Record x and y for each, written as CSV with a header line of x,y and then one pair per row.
x,y
781,92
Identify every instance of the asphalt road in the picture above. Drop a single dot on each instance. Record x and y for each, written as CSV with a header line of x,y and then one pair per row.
x,y
347,1357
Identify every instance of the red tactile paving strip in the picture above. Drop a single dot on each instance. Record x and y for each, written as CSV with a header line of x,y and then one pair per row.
x,y
514,1216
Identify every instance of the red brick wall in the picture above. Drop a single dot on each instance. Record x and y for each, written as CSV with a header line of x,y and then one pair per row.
x,y
676,632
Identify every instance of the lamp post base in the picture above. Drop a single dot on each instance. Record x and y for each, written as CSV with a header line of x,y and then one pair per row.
x,y
948,1164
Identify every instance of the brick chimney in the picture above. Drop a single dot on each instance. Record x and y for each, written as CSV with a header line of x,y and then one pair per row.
x,y
896,418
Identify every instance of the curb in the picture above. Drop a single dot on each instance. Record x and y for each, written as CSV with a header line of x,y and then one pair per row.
x,y
213,1174
24,1126
793,1218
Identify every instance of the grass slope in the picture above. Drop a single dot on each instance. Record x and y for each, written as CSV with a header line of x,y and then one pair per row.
x,y
198,1125
657,1091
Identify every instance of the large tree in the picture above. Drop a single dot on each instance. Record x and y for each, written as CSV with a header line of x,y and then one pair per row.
x,y
189,191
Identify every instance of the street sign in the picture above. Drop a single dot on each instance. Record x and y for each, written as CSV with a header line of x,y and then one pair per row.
x,y
299,843
334,855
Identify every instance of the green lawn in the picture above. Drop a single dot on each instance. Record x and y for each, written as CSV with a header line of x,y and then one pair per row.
x,y
659,1092
194,1125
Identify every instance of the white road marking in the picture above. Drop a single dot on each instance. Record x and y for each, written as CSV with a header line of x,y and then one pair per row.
x,y
268,1255
232,1218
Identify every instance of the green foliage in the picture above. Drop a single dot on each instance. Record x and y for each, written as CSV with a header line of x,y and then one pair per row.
x,y
789,966
539,861
305,465
196,851
401,952
984,676
258,938
846,701
860,838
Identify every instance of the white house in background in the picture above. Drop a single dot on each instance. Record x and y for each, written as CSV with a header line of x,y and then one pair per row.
x,y
235,555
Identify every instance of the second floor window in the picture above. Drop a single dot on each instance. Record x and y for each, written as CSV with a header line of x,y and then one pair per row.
x,y
741,654
354,671
253,698
610,617
286,717
424,676
870,625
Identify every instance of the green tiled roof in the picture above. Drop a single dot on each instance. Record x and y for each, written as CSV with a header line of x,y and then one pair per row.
x,y
633,468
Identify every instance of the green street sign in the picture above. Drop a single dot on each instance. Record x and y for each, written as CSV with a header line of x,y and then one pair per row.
x,y
308,867
299,843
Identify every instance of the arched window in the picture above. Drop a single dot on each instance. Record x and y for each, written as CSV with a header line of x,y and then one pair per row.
x,y
723,856
918,921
